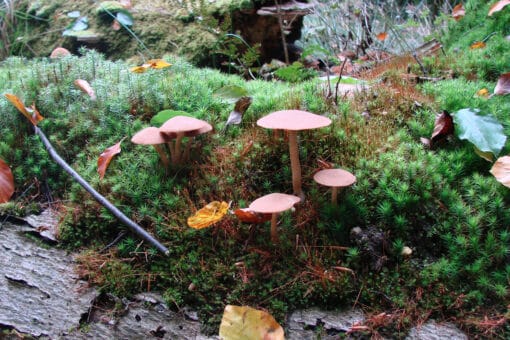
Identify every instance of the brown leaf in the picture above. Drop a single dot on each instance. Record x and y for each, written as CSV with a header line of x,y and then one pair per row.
x,y
443,127
30,113
6,182
382,36
458,12
503,85
106,157
498,6
501,170
477,45
247,216
115,25
85,87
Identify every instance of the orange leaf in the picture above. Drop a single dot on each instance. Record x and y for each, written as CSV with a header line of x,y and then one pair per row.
x,y
30,113
484,93
382,36
85,87
6,182
208,215
503,85
477,44
501,170
106,157
498,6
247,216
243,322
158,63
458,12
443,127
139,69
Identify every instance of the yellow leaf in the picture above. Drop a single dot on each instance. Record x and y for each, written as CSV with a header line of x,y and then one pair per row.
x,y
477,45
482,93
139,69
246,323
210,214
30,113
158,63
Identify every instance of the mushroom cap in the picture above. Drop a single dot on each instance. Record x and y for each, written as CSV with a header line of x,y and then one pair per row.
x,y
59,52
273,203
148,136
293,120
334,178
189,125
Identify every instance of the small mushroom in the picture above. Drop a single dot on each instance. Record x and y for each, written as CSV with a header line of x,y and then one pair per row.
x,y
179,127
151,136
336,179
294,121
273,204
59,52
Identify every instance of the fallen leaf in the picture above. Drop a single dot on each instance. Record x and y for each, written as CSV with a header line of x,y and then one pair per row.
x,y
30,113
236,116
85,87
501,170
498,6
503,85
484,93
208,215
106,157
158,63
458,12
139,69
443,127
243,322
6,182
115,25
382,36
247,216
477,45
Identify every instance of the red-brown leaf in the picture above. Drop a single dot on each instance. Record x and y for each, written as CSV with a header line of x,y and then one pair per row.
x,y
443,127
503,85
6,182
247,216
106,157
382,36
85,87
30,113
477,45
498,6
458,12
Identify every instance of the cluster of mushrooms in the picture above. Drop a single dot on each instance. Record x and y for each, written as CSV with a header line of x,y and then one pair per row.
x,y
175,129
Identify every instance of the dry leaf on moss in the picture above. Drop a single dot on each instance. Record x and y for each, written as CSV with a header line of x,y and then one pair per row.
x,y
30,113
477,44
382,36
501,170
503,85
106,157
458,12
246,323
6,182
85,87
247,216
208,215
498,6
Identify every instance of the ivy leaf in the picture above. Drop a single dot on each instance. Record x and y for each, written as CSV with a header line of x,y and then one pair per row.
x,y
458,12
208,215
106,157
443,127
501,170
485,132
503,85
30,113
243,322
124,18
498,6
6,182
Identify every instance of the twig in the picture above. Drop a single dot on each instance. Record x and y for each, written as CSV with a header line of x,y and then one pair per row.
x,y
100,198
338,81
280,22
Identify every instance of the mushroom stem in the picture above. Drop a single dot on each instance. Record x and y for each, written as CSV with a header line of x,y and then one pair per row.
x,y
162,155
294,164
178,142
171,147
334,195
274,231
186,153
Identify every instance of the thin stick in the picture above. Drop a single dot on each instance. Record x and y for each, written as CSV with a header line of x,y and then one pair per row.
x,y
282,30
100,198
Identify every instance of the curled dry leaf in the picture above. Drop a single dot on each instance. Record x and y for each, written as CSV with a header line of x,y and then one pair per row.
x,y
501,170
458,12
243,322
6,182
115,25
85,87
503,85
106,157
247,216
382,36
153,63
498,6
477,45
30,113
208,215
443,127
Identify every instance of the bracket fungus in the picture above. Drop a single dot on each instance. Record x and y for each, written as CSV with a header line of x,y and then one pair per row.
x,y
336,179
151,136
273,204
293,121
179,127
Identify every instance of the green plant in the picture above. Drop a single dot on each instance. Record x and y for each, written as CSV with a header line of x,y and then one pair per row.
x,y
294,73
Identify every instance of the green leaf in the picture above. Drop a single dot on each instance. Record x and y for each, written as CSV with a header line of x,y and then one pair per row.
x,y
485,132
165,115
231,93
125,18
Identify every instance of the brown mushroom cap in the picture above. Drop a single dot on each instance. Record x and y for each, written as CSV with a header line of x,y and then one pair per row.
x,y
148,136
335,178
59,52
295,120
273,203
189,125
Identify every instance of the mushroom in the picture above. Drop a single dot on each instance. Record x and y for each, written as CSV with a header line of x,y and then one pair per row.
x,y
273,204
335,178
294,121
179,127
59,52
151,136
